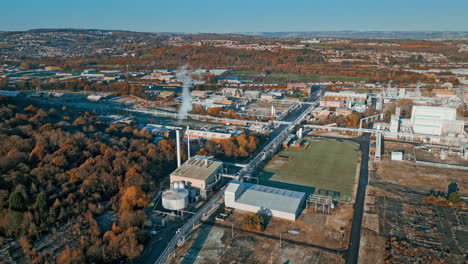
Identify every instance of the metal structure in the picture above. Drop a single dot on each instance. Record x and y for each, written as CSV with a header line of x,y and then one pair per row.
x,y
454,100
454,141
291,109
378,147
181,232
321,202
270,149
178,148
175,199
374,117
160,113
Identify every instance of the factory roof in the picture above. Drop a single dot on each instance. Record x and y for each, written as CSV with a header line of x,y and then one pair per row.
x,y
345,94
267,197
208,134
153,128
198,167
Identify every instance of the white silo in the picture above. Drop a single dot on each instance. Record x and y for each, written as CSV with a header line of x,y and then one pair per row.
x,y
176,199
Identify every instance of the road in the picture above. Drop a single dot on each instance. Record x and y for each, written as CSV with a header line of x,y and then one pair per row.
x,y
351,256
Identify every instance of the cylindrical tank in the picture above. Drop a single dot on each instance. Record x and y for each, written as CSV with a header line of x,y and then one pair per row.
x,y
175,199
176,185
182,185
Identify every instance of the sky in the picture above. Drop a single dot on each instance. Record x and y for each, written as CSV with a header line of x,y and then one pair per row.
x,y
224,16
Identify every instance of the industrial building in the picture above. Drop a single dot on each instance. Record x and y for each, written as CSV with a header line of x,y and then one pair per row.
x,y
265,200
439,121
211,136
199,173
162,130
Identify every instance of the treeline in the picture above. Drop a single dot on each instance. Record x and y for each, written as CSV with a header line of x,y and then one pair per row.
x,y
59,171
233,148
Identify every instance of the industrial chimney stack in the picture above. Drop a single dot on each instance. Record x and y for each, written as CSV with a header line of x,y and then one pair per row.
x,y
188,142
178,147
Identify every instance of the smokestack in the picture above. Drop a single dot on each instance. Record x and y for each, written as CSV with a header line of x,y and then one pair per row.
x,y
188,141
178,147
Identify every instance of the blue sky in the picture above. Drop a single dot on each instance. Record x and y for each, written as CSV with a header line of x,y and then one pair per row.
x,y
236,15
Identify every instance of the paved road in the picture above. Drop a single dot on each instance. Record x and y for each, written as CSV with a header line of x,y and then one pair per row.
x,y
355,236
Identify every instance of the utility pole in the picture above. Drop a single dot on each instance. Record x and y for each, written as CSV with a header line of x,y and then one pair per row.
x,y
280,238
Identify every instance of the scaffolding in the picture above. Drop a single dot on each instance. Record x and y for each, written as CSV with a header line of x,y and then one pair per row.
x,y
321,202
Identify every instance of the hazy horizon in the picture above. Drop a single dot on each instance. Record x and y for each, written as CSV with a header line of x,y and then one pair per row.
x,y
212,16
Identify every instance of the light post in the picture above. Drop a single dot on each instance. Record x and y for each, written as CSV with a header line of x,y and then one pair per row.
x,y
280,237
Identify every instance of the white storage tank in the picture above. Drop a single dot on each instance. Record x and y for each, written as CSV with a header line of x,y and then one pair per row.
x,y
175,199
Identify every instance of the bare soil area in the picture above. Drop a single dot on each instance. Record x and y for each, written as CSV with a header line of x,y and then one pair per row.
x,y
420,176
314,238
398,227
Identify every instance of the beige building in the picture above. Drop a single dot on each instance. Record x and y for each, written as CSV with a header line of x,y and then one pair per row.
x,y
199,173
331,103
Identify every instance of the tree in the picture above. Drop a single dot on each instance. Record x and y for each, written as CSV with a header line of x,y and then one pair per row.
x,y
254,222
133,197
41,202
69,256
16,201
454,197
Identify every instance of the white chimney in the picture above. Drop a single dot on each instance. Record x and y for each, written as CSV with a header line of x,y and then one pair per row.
x,y
188,142
178,147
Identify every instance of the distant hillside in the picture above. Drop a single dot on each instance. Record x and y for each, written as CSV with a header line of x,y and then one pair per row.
x,y
368,34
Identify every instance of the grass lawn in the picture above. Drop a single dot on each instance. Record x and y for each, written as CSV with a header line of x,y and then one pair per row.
x,y
325,164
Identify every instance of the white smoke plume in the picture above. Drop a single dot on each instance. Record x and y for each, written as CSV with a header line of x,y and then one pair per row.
x,y
184,76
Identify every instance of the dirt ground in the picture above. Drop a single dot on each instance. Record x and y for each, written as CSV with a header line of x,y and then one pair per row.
x,y
398,227
424,155
277,163
264,108
421,176
314,238
302,241
389,146
221,247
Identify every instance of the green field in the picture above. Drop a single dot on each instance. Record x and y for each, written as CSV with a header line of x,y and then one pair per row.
x,y
326,164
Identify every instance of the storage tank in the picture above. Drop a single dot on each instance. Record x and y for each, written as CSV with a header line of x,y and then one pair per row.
x,y
175,199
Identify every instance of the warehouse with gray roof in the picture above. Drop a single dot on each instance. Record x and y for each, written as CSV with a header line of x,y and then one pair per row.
x,y
256,198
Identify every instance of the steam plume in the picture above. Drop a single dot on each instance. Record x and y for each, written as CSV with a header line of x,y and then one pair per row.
x,y
184,76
